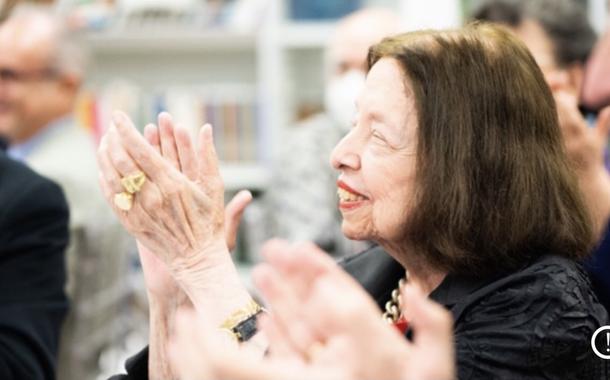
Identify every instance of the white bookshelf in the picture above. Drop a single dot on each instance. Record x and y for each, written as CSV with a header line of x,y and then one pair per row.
x,y
159,41
165,59
306,35
282,61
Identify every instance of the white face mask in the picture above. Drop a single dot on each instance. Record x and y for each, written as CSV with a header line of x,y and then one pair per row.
x,y
340,97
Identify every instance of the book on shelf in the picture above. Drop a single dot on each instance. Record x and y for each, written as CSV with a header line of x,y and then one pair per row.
x,y
230,109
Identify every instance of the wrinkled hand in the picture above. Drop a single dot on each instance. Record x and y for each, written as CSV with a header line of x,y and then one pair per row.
x,y
159,282
234,210
158,279
322,325
174,144
315,303
179,213
177,216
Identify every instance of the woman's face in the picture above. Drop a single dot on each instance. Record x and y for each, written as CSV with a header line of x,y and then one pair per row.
x,y
376,159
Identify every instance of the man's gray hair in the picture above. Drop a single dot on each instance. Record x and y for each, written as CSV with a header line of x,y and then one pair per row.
x,y
69,55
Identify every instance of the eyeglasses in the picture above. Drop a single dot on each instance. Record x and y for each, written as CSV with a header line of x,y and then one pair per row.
x,y
13,76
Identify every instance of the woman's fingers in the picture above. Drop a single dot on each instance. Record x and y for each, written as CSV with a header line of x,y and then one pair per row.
x,y
285,306
151,134
149,196
120,159
168,140
107,170
279,346
300,263
186,154
431,322
345,307
207,154
433,337
150,162
166,211
233,213
185,159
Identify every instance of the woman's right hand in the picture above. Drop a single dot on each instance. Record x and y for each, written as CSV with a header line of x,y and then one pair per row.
x,y
158,279
178,214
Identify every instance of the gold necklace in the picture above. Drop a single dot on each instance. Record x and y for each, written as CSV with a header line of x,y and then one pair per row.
x,y
392,312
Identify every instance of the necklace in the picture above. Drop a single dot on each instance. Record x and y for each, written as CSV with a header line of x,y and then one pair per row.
x,y
392,314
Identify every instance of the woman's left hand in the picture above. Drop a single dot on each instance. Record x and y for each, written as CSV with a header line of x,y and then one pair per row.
x,y
178,216
171,215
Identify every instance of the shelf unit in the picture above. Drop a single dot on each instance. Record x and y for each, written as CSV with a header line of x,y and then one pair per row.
x,y
157,60
281,60
306,35
170,41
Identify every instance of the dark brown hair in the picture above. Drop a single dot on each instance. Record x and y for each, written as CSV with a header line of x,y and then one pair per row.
x,y
494,189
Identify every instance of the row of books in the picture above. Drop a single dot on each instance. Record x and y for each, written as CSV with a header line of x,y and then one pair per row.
x,y
98,15
232,111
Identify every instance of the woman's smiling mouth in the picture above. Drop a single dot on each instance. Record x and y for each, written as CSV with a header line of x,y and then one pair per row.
x,y
348,197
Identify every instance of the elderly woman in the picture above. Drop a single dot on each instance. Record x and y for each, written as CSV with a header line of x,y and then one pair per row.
x,y
455,166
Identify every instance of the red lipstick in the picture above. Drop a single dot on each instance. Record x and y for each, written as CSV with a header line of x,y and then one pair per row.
x,y
344,186
346,205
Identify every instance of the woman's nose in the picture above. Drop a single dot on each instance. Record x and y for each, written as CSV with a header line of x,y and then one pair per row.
x,y
345,155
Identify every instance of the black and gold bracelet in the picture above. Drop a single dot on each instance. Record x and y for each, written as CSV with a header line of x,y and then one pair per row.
x,y
242,323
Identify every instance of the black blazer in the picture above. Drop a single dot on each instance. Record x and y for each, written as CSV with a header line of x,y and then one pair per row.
x,y
33,304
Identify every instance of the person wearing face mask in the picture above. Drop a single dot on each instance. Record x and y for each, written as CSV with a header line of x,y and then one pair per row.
x,y
301,199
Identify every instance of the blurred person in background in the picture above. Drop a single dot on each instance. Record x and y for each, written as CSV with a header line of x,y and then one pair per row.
x,y
301,198
41,71
33,303
596,89
561,38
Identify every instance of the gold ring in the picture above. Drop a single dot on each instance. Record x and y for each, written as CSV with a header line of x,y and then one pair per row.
x,y
133,182
123,201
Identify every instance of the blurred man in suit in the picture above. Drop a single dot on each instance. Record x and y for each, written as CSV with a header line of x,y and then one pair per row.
x,y
33,238
41,71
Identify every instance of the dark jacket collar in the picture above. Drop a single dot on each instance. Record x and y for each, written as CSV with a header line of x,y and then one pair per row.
x,y
455,288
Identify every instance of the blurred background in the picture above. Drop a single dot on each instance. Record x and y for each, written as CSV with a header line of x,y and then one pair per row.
x,y
254,69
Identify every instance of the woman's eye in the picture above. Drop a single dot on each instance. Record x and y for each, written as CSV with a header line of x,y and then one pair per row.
x,y
378,136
